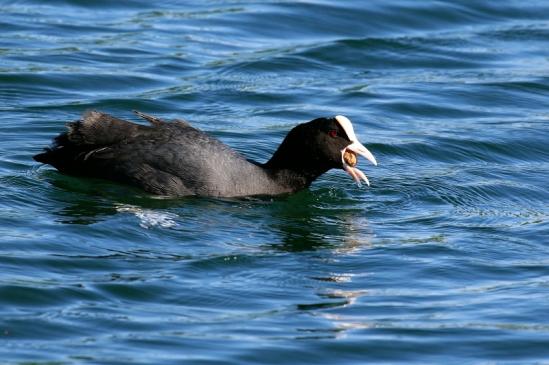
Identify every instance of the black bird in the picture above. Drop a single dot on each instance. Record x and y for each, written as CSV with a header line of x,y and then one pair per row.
x,y
176,159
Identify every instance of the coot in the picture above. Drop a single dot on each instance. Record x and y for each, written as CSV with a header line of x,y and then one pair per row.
x,y
176,159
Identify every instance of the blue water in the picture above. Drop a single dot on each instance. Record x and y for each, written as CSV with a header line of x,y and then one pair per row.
x,y
445,259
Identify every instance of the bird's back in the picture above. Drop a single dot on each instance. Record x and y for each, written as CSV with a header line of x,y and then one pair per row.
x,y
162,158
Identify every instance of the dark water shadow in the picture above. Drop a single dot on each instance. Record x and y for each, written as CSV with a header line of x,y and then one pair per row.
x,y
308,220
317,219
89,200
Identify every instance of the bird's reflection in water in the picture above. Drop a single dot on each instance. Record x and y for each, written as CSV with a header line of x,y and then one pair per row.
x,y
308,220
321,219
88,201
331,223
330,308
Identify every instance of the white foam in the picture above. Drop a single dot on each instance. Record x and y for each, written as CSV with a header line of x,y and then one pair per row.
x,y
149,218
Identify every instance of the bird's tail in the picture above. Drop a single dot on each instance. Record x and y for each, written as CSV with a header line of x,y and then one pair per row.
x,y
94,131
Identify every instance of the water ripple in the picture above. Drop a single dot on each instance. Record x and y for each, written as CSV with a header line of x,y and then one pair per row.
x,y
442,260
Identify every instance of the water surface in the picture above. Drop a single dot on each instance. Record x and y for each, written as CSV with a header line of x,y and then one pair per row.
x,y
443,260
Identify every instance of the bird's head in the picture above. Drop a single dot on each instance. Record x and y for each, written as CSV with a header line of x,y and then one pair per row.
x,y
323,144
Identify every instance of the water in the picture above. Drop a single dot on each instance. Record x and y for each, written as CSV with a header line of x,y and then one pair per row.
x,y
445,259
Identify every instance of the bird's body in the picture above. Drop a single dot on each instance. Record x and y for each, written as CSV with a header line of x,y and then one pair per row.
x,y
176,159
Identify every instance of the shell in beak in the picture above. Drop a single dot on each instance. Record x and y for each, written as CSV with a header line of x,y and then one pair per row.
x,y
348,154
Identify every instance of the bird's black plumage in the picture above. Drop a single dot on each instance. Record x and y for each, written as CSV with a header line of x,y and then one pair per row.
x,y
176,159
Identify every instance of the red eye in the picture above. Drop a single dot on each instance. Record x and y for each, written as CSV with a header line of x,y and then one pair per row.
x,y
332,133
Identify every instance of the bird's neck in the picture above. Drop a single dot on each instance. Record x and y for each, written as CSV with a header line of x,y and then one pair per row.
x,y
294,166
294,175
